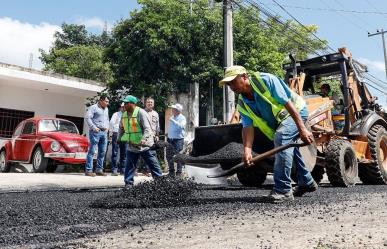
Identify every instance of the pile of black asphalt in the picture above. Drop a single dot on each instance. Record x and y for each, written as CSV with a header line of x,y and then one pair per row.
x,y
58,219
162,192
232,152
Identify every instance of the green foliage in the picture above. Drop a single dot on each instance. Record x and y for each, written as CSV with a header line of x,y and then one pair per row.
x,y
163,47
78,53
79,61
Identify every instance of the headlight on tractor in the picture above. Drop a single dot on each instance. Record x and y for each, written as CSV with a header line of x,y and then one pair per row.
x,y
55,146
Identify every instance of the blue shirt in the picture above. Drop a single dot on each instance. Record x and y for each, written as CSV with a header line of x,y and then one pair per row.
x,y
279,90
96,117
177,127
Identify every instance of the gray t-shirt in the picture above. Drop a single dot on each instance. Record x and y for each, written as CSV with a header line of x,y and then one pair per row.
x,y
147,139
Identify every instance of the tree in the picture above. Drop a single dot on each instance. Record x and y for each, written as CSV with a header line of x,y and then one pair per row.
x,y
163,47
76,52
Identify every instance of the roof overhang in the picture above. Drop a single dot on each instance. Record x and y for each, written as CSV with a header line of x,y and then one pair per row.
x,y
15,76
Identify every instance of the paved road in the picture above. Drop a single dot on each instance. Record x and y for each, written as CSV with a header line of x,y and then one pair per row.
x,y
211,217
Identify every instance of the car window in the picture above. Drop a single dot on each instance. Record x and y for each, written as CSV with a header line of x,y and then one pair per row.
x,y
18,130
29,128
56,125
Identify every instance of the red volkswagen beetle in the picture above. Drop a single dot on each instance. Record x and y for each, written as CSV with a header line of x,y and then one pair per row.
x,y
44,142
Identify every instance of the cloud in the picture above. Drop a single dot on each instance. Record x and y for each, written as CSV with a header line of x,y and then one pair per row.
x,y
94,22
20,39
373,65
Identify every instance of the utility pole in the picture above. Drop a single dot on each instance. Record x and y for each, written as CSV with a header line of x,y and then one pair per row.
x,y
384,46
228,95
30,60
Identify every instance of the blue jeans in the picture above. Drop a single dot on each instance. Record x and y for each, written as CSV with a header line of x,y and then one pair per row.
x,y
288,132
177,147
131,164
121,147
96,139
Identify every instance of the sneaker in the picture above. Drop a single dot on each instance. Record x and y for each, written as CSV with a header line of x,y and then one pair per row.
x,y
301,190
100,173
89,173
115,173
275,197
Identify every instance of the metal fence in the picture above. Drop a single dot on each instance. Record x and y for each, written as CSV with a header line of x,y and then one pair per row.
x,y
10,118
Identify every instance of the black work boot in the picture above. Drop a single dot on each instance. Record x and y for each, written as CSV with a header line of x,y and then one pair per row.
x,y
275,197
301,190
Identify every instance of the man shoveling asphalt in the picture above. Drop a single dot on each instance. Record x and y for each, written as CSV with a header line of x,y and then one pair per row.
x,y
266,102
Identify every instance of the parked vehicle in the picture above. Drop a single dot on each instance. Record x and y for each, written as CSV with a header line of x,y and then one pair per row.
x,y
44,142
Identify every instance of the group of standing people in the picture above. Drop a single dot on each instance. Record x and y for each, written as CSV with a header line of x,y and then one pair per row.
x,y
134,132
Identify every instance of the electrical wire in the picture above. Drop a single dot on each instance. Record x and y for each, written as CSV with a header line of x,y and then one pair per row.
x,y
335,10
302,25
274,28
280,22
375,8
357,17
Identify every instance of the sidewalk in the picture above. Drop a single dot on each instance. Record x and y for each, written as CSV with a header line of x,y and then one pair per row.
x,y
56,181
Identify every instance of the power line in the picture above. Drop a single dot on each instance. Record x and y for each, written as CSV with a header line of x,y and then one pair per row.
x,y
335,10
279,21
375,8
383,82
358,18
302,25
375,88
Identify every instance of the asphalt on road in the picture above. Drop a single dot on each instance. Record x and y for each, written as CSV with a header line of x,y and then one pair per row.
x,y
67,219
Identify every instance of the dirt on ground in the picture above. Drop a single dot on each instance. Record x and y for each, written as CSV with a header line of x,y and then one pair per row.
x,y
199,217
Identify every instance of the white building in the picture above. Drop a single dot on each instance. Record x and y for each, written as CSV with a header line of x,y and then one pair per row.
x,y
28,92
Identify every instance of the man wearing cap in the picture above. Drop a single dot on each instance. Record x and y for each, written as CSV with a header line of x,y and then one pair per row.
x,y
268,104
135,130
97,118
176,133
117,145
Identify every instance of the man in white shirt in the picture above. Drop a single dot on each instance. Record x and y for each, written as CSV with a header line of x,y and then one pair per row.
x,y
176,134
117,146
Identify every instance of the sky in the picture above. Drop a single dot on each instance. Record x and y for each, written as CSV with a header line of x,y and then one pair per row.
x,y
26,26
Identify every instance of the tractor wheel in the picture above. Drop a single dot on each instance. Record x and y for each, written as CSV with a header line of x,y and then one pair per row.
x,y
341,163
39,162
318,173
4,165
376,173
252,177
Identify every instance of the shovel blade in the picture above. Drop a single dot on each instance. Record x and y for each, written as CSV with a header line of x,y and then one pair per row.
x,y
199,173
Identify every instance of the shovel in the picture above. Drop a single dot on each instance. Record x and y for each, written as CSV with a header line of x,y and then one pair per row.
x,y
264,155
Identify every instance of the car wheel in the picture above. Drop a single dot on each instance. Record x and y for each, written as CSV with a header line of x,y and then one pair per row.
x,y
39,162
4,165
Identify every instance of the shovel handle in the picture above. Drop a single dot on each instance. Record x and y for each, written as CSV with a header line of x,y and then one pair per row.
x,y
264,155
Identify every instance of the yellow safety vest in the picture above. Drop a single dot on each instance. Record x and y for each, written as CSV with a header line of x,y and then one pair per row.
x,y
279,111
132,128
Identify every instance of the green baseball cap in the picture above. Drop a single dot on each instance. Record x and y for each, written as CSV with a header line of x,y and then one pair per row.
x,y
130,99
230,73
